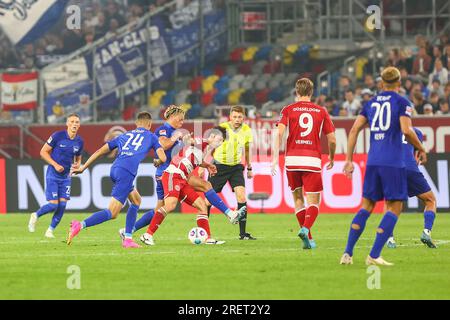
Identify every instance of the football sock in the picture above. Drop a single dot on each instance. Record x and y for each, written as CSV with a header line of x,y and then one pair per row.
x,y
385,229
243,223
429,219
311,215
97,218
215,200
157,220
131,220
301,215
359,220
49,207
58,215
203,222
144,221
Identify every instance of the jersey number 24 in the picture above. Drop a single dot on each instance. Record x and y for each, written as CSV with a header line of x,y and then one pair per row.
x,y
136,143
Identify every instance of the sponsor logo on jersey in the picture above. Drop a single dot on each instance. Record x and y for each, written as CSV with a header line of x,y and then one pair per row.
x,y
163,133
409,111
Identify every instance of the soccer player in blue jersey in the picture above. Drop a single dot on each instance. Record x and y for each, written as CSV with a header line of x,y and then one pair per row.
x,y
389,117
62,152
418,187
169,135
133,147
170,139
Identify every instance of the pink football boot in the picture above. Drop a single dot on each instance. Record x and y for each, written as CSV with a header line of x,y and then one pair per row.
x,y
75,228
130,244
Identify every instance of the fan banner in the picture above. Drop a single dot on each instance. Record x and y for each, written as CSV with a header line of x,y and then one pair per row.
x,y
25,21
19,91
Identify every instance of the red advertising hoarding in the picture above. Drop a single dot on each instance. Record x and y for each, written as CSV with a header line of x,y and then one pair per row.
x,y
436,132
341,195
2,187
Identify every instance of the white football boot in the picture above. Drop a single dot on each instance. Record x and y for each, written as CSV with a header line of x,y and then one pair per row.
x,y
147,239
122,234
214,242
32,223
346,259
49,234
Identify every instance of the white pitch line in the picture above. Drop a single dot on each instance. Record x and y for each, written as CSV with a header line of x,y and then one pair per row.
x,y
76,255
148,252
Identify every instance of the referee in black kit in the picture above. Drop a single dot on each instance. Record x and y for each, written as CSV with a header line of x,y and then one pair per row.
x,y
228,159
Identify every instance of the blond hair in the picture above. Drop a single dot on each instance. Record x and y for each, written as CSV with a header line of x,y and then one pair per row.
x,y
304,87
173,110
391,78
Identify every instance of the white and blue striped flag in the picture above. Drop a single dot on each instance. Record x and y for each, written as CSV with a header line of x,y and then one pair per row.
x,y
25,21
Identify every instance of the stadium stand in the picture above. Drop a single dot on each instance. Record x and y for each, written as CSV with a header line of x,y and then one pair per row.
x,y
258,74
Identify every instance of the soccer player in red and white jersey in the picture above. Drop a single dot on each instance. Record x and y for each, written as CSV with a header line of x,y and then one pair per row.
x,y
306,122
176,183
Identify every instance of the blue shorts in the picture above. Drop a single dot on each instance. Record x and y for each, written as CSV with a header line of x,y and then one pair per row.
x,y
159,188
385,183
57,188
417,184
123,184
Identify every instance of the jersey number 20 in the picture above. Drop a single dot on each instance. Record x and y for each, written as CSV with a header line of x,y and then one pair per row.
x,y
137,142
382,118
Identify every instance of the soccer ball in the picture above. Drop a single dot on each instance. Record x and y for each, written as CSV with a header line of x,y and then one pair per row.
x,y
198,236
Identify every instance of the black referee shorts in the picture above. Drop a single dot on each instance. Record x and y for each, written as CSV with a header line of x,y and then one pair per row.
x,y
232,174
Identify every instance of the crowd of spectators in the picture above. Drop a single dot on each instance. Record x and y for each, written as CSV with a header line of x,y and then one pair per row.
x,y
99,18
425,81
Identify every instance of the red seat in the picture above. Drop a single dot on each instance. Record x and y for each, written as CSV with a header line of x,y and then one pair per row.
x,y
245,68
236,54
272,67
196,84
262,96
208,98
219,71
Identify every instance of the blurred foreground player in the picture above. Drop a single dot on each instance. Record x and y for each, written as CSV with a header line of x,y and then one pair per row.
x,y
228,160
133,147
388,116
418,187
306,122
171,139
176,185
62,152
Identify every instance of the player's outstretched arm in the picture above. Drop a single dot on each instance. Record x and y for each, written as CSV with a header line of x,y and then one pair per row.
x,y
331,149
161,155
212,169
359,124
99,153
412,138
167,143
276,148
45,154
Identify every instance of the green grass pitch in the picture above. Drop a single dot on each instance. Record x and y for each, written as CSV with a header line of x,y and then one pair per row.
x,y
273,267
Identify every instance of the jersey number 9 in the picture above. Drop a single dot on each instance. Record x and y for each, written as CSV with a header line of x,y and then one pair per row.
x,y
306,122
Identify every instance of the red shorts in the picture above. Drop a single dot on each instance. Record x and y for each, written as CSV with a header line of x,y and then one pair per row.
x,y
175,186
311,182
